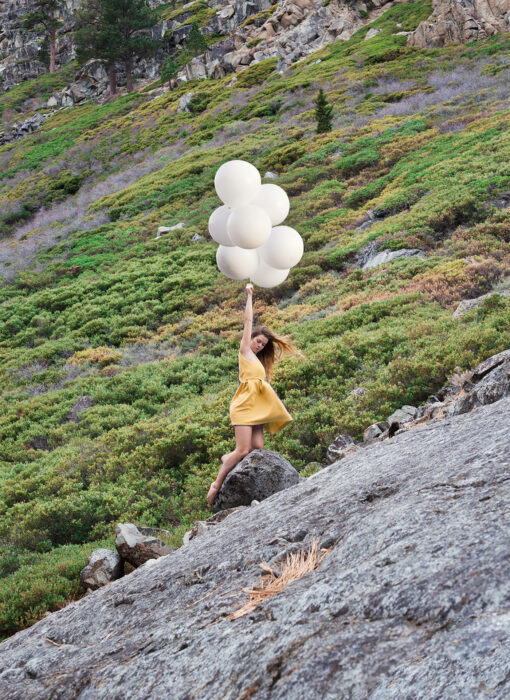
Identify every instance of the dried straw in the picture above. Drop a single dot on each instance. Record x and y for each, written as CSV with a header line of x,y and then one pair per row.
x,y
296,565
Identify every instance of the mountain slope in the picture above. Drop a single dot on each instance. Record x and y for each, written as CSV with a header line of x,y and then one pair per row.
x,y
142,334
410,600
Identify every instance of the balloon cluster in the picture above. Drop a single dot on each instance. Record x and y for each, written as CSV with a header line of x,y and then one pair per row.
x,y
252,243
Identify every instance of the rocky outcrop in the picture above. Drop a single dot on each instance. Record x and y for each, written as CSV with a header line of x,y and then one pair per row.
x,y
410,600
81,404
135,547
103,567
487,383
384,256
259,475
21,129
460,21
20,50
340,447
470,304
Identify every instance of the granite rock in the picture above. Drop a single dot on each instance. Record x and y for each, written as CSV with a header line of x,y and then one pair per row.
x,y
339,447
137,548
259,475
103,567
410,601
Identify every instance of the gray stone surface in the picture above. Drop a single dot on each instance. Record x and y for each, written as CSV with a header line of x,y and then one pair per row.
x,y
494,385
470,304
488,365
137,548
461,21
402,415
338,447
411,602
259,475
81,404
385,256
375,430
103,566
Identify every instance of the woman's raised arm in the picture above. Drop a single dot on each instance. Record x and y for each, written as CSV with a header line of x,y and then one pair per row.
x,y
248,322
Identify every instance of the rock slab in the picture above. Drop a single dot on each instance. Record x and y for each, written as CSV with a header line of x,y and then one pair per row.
x,y
411,601
259,475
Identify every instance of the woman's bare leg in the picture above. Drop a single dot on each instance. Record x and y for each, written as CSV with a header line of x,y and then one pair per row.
x,y
243,446
257,437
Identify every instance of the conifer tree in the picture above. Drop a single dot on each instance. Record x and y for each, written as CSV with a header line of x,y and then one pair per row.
x,y
323,113
169,70
44,14
196,43
95,40
114,33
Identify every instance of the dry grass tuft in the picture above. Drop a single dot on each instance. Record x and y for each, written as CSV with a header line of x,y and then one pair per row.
x,y
459,378
296,565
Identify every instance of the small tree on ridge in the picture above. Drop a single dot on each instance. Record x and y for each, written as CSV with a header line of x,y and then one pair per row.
x,y
323,113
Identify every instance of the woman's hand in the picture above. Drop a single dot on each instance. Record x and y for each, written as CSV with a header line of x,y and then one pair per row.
x,y
249,289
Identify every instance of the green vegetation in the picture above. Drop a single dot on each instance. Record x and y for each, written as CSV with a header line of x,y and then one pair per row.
x,y
148,329
323,113
109,30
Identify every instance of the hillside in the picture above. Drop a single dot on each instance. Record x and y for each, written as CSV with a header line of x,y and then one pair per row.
x,y
410,599
118,351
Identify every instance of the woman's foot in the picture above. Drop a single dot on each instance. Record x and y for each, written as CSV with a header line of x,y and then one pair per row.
x,y
211,494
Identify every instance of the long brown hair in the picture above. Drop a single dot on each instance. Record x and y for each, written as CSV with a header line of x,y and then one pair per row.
x,y
275,348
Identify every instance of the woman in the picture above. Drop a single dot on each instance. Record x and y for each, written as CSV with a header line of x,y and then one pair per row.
x,y
255,403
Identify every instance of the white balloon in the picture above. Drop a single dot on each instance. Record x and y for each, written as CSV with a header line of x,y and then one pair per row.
x,y
248,226
273,200
265,276
236,263
237,182
283,249
218,225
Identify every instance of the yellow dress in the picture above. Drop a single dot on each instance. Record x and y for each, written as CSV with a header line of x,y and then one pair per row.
x,y
255,401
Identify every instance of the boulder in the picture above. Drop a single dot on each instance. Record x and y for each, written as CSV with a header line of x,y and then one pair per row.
x,y
493,386
136,548
183,104
488,365
402,415
103,567
470,304
259,475
81,404
371,33
341,446
376,430
385,256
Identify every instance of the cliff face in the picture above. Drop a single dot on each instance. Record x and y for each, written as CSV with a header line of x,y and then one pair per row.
x,y
411,599
460,21
20,49
254,31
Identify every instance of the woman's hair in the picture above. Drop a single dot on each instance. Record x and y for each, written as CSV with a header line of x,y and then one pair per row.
x,y
275,348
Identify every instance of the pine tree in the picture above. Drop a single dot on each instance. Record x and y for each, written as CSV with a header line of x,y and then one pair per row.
x,y
95,40
114,33
323,113
196,43
169,70
44,15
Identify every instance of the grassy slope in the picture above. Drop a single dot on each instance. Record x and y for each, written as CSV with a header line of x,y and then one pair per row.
x,y
149,329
